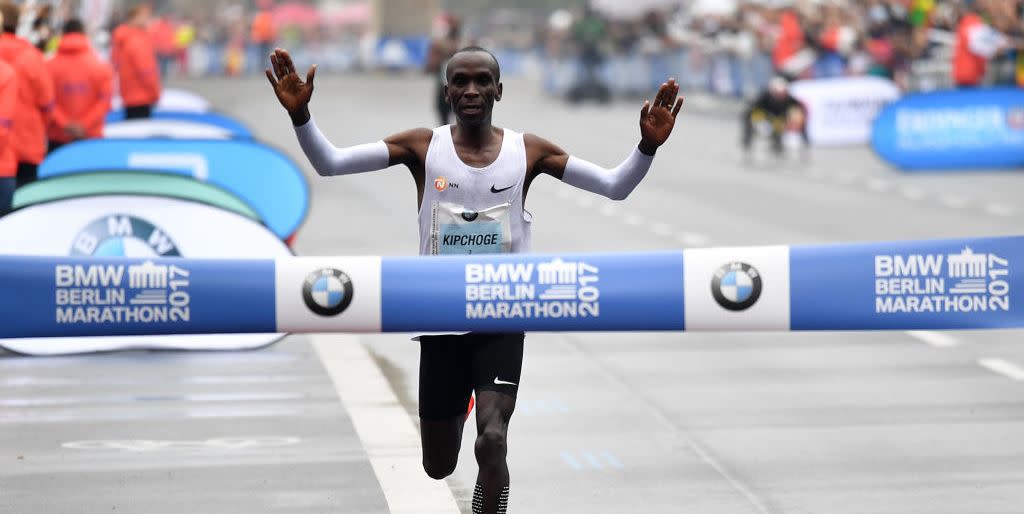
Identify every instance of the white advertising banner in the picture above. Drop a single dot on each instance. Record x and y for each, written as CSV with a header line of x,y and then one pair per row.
x,y
840,111
136,226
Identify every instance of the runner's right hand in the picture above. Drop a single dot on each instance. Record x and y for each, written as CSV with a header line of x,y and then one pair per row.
x,y
291,91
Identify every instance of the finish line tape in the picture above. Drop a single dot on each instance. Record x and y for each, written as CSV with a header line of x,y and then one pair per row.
x,y
910,285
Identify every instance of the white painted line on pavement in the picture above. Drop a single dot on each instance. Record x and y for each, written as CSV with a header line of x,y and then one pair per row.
x,y
692,239
998,209
913,193
936,339
953,201
388,435
879,185
584,201
1003,367
560,406
609,209
594,463
571,461
612,460
667,421
661,228
845,177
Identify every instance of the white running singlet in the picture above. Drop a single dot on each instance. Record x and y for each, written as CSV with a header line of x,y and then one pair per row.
x,y
467,210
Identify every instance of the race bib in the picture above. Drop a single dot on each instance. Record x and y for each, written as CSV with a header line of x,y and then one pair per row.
x,y
459,231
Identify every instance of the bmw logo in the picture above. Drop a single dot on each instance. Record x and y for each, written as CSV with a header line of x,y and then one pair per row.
x,y
123,235
736,286
327,291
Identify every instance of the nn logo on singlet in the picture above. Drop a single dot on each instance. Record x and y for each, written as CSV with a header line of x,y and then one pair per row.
x,y
441,183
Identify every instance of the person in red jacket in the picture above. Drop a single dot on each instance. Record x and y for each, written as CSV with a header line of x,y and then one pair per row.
x,y
135,61
35,96
8,162
976,43
83,85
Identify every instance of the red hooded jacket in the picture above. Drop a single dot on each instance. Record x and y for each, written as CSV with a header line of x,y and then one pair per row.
x,y
137,73
35,97
8,100
968,69
83,85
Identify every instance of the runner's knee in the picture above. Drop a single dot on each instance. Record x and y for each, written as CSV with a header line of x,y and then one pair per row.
x,y
491,446
439,468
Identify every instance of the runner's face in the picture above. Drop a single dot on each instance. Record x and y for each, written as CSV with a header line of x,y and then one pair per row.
x,y
473,87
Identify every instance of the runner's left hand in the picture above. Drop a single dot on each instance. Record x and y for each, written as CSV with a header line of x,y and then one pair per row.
x,y
657,120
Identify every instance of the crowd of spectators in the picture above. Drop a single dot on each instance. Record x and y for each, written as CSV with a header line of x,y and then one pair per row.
x,y
735,50
726,47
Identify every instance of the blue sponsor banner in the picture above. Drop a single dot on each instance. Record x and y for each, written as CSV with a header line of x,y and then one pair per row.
x,y
237,128
638,291
68,296
943,284
963,129
402,52
261,176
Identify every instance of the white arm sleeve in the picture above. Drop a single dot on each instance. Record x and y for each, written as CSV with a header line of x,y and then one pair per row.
x,y
615,183
984,41
328,159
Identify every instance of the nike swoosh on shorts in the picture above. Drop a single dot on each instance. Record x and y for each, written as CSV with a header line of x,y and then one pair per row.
x,y
502,382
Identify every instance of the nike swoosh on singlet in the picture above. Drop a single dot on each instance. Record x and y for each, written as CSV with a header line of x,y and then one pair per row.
x,y
502,382
493,190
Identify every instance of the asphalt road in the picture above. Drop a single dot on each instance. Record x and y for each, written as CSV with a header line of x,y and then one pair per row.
x,y
882,422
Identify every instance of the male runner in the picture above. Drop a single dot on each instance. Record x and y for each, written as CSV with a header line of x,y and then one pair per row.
x,y
493,168
441,49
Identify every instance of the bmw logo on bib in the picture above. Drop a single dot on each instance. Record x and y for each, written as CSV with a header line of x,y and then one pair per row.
x,y
327,291
736,286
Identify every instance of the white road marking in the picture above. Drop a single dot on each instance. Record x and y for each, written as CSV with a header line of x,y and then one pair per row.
x,y
936,339
913,193
594,463
815,174
611,459
388,435
878,185
1003,367
845,177
571,461
668,422
953,201
662,229
560,406
692,239
998,209
584,201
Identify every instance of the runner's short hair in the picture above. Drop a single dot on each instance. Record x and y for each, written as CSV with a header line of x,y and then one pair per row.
x,y
468,49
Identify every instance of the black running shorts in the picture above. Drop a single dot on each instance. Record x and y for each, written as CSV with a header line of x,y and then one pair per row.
x,y
452,366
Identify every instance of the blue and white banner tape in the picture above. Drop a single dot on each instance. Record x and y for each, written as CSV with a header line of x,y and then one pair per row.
x,y
947,284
